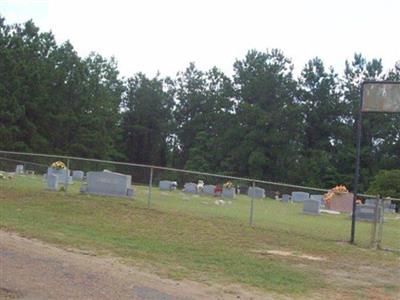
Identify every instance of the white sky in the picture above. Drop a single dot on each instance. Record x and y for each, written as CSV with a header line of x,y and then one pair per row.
x,y
165,35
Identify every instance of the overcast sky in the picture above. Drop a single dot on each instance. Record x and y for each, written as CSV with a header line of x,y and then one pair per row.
x,y
165,35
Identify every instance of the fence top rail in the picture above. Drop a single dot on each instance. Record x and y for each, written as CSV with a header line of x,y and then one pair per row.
x,y
179,170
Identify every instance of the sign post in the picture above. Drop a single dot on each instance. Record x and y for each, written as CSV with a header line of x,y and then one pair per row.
x,y
376,96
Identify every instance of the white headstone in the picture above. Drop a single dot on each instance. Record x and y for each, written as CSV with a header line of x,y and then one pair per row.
x,y
300,196
228,192
52,182
285,198
209,189
311,207
190,187
19,169
165,185
256,191
319,198
62,175
77,175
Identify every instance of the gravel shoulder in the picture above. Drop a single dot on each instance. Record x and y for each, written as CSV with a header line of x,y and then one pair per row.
x,y
31,269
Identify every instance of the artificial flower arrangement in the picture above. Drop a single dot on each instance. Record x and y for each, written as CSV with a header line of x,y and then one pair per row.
x,y
339,189
228,185
58,165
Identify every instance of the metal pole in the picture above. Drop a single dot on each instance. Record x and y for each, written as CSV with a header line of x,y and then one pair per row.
x,y
357,169
381,221
67,176
374,238
150,184
252,205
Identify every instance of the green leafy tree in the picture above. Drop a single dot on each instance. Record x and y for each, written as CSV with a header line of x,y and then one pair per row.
x,y
386,184
269,120
147,120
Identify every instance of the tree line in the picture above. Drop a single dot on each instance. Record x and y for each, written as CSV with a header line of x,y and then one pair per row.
x,y
263,122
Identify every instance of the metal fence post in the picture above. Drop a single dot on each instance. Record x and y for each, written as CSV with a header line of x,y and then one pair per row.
x,y
381,221
252,205
67,176
375,225
150,184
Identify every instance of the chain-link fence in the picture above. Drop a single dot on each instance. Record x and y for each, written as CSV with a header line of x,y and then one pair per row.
x,y
285,209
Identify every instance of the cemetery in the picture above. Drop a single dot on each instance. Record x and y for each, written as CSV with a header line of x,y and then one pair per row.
x,y
297,224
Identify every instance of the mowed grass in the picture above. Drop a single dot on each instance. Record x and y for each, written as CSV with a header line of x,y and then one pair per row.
x,y
184,236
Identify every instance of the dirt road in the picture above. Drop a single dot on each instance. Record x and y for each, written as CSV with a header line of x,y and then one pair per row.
x,y
30,269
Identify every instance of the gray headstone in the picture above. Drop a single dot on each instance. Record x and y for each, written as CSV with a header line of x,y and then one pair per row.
x,y
370,202
286,198
77,175
109,184
209,189
300,196
165,185
190,187
52,182
228,193
62,175
388,206
319,198
256,191
19,169
365,212
311,207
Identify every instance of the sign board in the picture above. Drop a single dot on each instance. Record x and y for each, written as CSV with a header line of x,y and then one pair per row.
x,y
381,97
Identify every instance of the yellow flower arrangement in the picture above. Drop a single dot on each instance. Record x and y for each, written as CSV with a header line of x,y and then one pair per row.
x,y
339,189
58,165
228,185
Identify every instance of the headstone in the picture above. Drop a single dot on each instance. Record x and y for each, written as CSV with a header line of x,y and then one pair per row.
x,y
256,192
366,212
190,187
319,198
30,172
388,206
228,192
209,189
19,170
108,184
62,175
300,196
77,175
286,198
165,185
341,202
370,202
52,182
311,207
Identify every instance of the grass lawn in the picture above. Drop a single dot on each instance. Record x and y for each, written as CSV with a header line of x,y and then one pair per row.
x,y
185,236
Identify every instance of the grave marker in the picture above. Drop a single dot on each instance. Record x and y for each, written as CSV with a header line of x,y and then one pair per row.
x,y
256,192
108,184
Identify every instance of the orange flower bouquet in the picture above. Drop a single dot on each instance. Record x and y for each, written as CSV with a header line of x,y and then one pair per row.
x,y
339,189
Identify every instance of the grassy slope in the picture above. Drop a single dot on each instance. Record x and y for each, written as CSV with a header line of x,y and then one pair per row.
x,y
186,236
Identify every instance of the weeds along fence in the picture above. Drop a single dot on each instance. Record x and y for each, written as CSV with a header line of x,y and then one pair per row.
x,y
283,217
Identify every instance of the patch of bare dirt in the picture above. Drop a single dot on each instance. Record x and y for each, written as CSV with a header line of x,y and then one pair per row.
x,y
288,253
30,269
